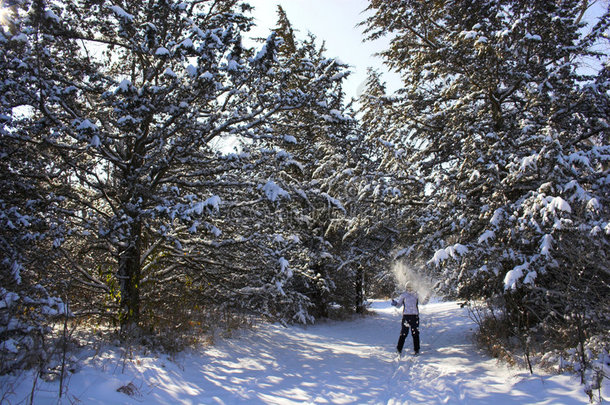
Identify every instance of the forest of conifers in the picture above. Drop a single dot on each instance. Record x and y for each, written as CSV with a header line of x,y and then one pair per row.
x,y
157,175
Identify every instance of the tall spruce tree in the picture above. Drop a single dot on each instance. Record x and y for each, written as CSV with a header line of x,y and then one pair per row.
x,y
327,231
314,147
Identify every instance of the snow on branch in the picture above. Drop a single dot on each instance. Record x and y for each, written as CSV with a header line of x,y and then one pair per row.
x,y
450,251
557,203
529,161
212,204
546,245
122,14
486,236
513,276
285,267
273,191
334,201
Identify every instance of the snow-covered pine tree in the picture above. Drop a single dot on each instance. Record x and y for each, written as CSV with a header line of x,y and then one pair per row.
x,y
508,122
337,194
128,100
281,242
313,147
29,220
395,195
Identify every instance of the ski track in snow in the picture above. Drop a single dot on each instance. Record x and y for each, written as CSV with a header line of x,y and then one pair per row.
x,y
349,362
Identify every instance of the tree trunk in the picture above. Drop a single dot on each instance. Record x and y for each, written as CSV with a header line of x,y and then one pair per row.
x,y
129,279
359,290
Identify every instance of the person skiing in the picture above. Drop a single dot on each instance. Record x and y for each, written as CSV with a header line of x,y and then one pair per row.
x,y
410,317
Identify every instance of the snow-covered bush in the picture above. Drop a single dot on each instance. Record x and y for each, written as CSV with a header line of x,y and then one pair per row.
x,y
25,324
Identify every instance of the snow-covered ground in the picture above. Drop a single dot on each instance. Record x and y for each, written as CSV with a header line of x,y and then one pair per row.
x,y
350,362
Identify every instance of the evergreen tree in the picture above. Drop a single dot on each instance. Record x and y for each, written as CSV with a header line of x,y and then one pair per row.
x,y
395,196
129,102
328,236
508,131
30,222
314,147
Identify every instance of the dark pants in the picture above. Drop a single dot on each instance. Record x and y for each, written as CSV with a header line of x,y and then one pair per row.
x,y
413,322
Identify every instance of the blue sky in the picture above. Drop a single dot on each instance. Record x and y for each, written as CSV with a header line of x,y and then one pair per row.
x,y
332,21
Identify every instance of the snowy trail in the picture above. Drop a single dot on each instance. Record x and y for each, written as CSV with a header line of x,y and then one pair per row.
x,y
351,362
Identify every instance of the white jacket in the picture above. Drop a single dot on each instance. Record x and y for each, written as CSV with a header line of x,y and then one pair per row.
x,y
410,301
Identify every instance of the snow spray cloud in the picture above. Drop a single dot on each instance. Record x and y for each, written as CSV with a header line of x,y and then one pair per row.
x,y
404,274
